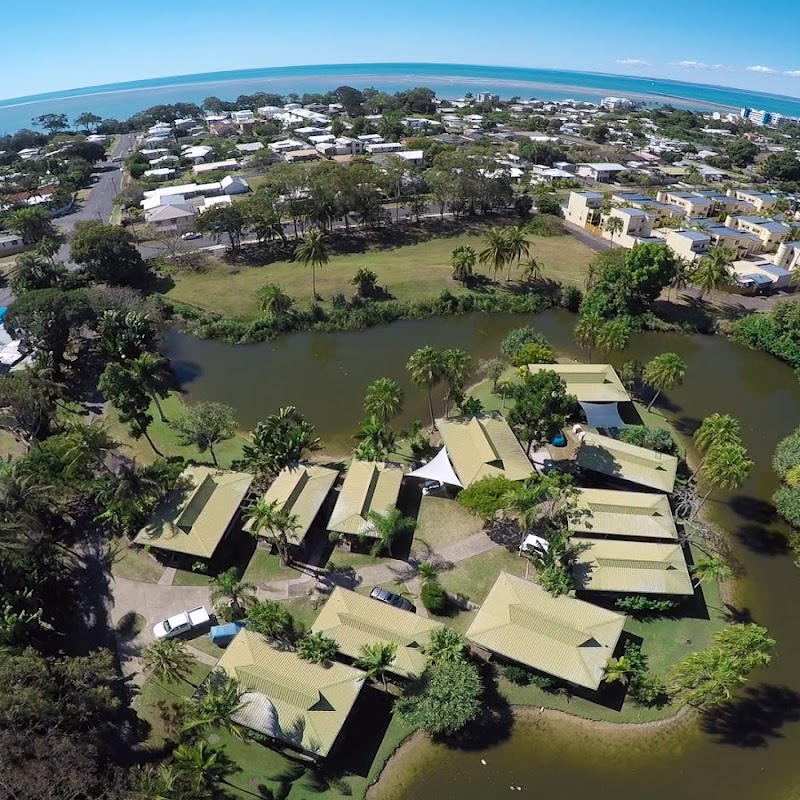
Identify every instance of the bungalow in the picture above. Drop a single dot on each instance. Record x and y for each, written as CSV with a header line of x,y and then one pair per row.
x,y
298,704
413,157
172,217
196,153
223,129
160,173
198,513
760,275
237,117
483,446
249,147
611,513
601,172
383,147
619,566
353,621
771,232
591,383
212,166
301,491
583,208
626,462
561,636
688,244
286,145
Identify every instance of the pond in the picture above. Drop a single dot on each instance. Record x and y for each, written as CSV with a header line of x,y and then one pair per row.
x,y
752,752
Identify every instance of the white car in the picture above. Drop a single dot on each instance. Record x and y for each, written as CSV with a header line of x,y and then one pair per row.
x,y
180,623
432,487
191,235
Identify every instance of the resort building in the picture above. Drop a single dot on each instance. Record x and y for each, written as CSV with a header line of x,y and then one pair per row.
x,y
353,621
771,232
198,513
741,242
759,200
483,446
692,205
759,275
562,636
301,491
369,486
583,208
788,255
620,461
592,383
623,567
656,210
296,703
688,244
610,513
636,225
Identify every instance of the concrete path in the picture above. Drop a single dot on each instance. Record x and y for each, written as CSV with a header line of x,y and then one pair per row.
x,y
168,577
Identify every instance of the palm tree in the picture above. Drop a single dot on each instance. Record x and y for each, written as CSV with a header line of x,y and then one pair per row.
x,y
457,367
48,248
532,270
613,335
727,467
168,660
383,399
229,587
613,226
463,260
517,245
313,250
716,430
376,439
200,764
273,300
317,648
153,373
428,571
376,659
274,520
219,701
365,280
496,253
427,369
386,527
663,374
681,276
713,270
445,644
618,670
587,330
710,567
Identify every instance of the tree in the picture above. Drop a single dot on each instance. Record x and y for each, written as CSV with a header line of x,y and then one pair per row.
x,y
663,373
317,648
682,275
493,369
618,670
52,123
205,425
87,120
427,571
713,270
32,223
532,270
109,254
463,260
377,659
554,563
541,407
270,618
276,522
313,251
445,645
726,467
273,301
235,592
383,399
719,429
457,367
168,660
365,280
613,226
517,246
219,701
31,271
120,386
153,374
710,568
386,527
587,331
614,335
201,765
519,338
444,700
222,219
496,253
427,369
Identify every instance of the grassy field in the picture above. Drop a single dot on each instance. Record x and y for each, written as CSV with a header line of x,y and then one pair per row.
x,y
442,522
410,272
265,567
134,563
475,576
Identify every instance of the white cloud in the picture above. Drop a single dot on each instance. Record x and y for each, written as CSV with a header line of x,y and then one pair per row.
x,y
792,73
761,68
633,62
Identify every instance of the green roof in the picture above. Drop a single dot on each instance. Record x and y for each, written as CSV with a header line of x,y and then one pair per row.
x,y
561,636
606,565
483,446
589,383
608,512
301,490
197,513
627,461
354,620
368,486
287,698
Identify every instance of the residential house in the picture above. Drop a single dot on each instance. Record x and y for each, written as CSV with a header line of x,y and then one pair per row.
x,y
414,157
561,636
583,208
610,513
636,224
308,131
171,218
286,146
688,244
760,201
760,275
198,513
210,202
770,232
354,621
249,147
223,129
601,172
483,446
693,205
306,154
185,123
197,153
383,147
296,703
788,255
155,200
341,146
589,383
10,243
421,123
212,166
238,117
160,173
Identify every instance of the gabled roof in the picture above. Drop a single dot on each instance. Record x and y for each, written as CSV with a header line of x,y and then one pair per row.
x,y
561,636
368,486
606,565
608,512
301,490
354,620
628,462
287,698
483,446
591,383
196,514
169,211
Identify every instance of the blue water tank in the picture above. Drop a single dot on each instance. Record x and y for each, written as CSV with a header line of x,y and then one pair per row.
x,y
222,635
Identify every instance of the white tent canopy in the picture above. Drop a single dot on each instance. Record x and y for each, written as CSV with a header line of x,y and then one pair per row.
x,y
602,415
438,469
532,542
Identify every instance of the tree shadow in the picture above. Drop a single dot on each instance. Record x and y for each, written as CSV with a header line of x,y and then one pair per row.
x,y
760,540
753,509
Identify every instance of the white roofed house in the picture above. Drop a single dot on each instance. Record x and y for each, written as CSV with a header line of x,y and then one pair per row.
x,y
171,218
600,172
160,173
227,165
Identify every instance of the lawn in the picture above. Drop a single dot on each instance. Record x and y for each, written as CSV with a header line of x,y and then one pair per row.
x,y
475,576
410,272
265,567
134,563
442,522
185,577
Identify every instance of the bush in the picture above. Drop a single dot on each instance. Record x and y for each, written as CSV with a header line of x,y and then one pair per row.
x,y
787,454
649,690
517,675
486,496
644,606
571,298
434,597
787,502
546,225
533,353
658,439
519,338
543,682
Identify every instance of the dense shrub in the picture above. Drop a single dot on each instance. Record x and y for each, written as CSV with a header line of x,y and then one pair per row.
x,y
658,439
486,496
517,674
571,298
434,597
534,353
787,502
648,689
543,682
644,606
776,332
787,454
519,338
546,225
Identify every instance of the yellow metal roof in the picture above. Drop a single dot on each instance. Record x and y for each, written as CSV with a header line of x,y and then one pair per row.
x,y
368,486
483,446
608,512
196,514
295,701
353,621
606,565
627,461
301,490
590,383
561,636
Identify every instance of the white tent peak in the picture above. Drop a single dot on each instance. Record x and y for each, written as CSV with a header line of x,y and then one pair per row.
x,y
439,469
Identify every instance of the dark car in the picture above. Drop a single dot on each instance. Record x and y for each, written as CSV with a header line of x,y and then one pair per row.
x,y
392,599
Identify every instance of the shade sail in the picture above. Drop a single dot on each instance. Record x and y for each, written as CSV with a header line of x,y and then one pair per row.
x,y
602,415
438,469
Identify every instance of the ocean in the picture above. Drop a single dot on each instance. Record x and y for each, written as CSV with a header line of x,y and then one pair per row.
x,y
450,81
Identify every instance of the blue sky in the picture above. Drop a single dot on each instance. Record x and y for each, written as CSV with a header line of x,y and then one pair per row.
x,y
70,45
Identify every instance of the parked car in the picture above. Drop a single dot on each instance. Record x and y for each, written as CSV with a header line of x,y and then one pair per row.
x,y
392,599
180,623
432,487
191,235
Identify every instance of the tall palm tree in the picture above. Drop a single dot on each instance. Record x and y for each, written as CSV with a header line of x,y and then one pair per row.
x,y
664,373
377,440
217,703
168,660
238,594
727,467
613,225
713,270
317,648
710,568
587,330
273,300
386,527
714,430
613,335
427,369
517,245
87,445
618,670
376,660
200,764
313,251
383,399
495,254
681,275
463,261
532,270
154,375
445,644
274,520
457,367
